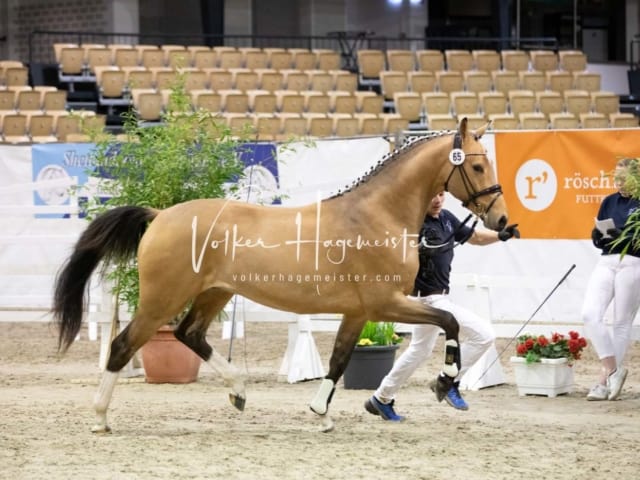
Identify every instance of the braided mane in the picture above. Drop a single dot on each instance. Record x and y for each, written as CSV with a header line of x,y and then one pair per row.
x,y
409,145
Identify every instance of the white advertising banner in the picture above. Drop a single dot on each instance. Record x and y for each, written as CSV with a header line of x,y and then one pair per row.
x,y
309,172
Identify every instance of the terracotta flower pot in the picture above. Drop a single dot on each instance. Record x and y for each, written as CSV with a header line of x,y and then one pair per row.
x,y
167,360
368,366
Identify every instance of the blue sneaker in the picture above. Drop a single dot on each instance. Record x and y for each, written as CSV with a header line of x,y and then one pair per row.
x,y
385,410
454,398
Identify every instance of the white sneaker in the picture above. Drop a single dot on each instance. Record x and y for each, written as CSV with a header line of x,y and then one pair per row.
x,y
615,381
598,392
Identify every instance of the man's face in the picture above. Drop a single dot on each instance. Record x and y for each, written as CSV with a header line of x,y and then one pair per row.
x,y
436,204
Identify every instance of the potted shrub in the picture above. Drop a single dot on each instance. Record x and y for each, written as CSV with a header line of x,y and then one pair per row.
x,y
543,364
373,356
191,155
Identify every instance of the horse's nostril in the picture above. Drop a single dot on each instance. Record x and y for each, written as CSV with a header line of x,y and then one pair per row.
x,y
503,222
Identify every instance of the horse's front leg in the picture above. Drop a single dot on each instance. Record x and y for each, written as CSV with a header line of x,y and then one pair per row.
x,y
408,310
346,339
451,366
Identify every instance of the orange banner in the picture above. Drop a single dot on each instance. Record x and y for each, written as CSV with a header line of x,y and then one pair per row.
x,y
554,180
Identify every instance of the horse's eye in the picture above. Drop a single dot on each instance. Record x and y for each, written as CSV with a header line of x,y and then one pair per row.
x,y
478,168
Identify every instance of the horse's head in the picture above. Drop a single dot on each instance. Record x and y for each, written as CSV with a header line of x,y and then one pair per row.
x,y
472,178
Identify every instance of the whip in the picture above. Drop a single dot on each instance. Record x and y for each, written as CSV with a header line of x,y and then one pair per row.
x,y
564,277
233,327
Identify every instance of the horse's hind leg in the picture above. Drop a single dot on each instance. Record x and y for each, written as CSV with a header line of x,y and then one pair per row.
x,y
192,332
124,346
102,399
122,349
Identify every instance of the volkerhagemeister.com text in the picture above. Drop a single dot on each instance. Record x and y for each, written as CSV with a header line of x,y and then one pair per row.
x,y
314,277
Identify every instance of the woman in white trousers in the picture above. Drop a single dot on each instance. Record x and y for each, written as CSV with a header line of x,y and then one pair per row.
x,y
616,278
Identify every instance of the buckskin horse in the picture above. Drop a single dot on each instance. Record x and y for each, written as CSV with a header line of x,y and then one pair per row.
x,y
353,253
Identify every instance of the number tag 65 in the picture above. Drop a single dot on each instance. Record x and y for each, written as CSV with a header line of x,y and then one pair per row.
x,y
456,156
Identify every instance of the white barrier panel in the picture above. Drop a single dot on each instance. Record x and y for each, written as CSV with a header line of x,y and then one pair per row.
x,y
32,249
505,281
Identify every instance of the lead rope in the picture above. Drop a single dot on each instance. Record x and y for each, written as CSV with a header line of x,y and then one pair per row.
x,y
423,242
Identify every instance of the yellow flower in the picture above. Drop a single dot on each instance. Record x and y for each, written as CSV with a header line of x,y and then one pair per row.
x,y
363,342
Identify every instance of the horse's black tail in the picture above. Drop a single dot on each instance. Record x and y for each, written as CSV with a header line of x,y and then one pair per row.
x,y
113,235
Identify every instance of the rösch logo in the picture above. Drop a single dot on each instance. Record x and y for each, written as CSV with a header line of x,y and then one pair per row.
x,y
536,184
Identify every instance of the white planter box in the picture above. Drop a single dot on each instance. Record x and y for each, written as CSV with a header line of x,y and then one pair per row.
x,y
550,376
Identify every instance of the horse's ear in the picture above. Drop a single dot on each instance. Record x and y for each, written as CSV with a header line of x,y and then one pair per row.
x,y
462,128
481,131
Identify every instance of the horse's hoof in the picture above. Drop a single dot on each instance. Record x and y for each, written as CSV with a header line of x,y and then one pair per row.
x,y
237,401
441,386
327,424
101,429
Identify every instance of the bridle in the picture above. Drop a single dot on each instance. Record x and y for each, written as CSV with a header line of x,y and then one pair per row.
x,y
473,195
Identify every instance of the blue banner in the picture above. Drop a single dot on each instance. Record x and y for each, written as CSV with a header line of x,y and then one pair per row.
x,y
73,162
260,182
59,161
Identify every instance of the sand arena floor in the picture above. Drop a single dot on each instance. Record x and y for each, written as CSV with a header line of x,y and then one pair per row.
x,y
192,432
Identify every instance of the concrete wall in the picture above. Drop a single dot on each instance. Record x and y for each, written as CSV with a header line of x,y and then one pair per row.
x,y
327,16
4,27
124,15
25,16
387,20
238,17
170,17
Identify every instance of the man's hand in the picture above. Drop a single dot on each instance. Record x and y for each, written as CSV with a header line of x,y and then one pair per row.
x,y
508,232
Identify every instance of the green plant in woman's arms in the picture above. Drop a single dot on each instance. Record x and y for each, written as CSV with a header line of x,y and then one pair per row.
x,y
629,180
631,177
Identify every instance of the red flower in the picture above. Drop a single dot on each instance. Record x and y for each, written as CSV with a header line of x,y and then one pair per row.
x,y
556,337
574,345
557,346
